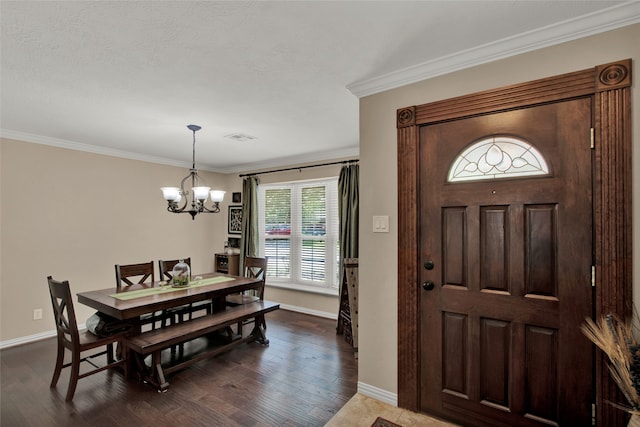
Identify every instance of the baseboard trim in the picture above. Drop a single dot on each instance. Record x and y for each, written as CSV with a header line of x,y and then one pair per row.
x,y
378,394
49,334
26,339
305,310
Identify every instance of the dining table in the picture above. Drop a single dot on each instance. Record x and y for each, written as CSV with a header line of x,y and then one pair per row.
x,y
132,302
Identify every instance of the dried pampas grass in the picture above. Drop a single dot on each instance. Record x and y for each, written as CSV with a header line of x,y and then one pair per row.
x,y
616,339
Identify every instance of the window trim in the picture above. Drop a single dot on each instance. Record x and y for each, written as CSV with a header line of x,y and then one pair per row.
x,y
303,288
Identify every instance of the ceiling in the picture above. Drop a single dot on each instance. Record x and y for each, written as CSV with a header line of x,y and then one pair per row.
x,y
125,78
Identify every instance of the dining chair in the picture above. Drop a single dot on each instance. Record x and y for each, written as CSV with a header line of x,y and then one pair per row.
x,y
134,274
140,274
69,338
166,273
256,268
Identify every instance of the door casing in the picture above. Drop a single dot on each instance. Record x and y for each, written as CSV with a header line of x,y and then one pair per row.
x,y
610,86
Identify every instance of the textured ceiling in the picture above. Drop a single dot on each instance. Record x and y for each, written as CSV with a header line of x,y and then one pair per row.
x,y
126,77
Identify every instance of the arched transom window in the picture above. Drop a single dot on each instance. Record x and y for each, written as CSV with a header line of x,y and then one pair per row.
x,y
497,157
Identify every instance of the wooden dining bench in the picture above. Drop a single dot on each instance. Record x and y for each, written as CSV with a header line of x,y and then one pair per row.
x,y
155,341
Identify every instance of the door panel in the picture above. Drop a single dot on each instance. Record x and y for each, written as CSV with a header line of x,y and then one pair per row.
x,y
500,338
540,250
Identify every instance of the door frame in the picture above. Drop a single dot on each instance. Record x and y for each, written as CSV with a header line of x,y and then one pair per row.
x,y
610,86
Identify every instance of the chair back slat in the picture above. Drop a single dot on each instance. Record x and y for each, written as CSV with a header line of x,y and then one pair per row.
x,y
65,316
166,267
134,274
256,268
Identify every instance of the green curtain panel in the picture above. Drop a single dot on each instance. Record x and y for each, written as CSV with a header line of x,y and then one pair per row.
x,y
249,236
348,211
348,207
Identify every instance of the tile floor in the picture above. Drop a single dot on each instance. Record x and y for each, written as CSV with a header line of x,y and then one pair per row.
x,y
362,411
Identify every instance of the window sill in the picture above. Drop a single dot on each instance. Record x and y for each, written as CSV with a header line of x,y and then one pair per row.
x,y
304,288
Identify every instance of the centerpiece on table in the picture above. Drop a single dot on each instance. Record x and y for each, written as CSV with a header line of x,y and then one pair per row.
x,y
181,275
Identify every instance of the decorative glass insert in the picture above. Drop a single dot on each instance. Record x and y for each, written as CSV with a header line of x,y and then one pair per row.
x,y
497,157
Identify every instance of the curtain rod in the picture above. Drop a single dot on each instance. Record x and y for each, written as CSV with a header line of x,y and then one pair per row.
x,y
299,167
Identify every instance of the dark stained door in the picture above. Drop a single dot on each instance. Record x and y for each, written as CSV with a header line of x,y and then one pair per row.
x,y
507,267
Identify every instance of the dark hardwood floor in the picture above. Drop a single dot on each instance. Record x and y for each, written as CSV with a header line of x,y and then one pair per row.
x,y
302,378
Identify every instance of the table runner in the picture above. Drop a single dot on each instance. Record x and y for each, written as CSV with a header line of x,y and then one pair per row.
x,y
139,293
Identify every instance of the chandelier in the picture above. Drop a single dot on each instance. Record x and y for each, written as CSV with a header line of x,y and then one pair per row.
x,y
200,192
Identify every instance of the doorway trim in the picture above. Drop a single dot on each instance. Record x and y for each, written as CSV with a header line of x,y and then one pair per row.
x,y
610,86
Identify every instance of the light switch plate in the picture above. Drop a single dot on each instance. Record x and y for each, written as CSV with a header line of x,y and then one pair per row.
x,y
381,224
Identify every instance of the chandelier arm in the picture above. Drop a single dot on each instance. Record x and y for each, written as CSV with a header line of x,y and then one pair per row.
x,y
216,208
184,192
173,207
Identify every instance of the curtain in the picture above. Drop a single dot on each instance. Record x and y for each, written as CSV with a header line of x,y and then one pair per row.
x,y
249,236
348,210
348,184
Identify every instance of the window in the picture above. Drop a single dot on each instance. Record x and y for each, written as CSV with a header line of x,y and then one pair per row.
x,y
299,233
497,157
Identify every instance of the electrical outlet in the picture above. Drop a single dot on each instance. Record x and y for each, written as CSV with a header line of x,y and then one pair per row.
x,y
37,314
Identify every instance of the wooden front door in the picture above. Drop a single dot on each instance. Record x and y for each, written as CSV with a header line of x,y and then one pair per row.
x,y
505,264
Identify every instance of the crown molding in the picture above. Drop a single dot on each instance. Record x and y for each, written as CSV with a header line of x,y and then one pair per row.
x,y
242,168
72,145
293,160
601,21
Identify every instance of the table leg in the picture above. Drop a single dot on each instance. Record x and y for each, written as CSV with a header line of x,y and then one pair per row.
x,y
157,373
133,364
217,304
259,330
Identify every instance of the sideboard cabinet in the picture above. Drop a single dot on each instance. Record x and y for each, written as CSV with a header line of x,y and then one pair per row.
x,y
228,264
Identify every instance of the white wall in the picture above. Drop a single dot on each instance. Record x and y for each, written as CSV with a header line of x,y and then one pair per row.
x,y
74,215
